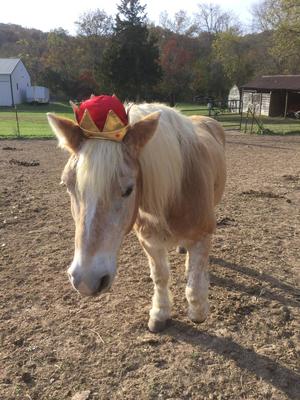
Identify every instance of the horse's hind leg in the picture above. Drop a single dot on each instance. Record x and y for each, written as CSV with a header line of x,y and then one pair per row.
x,y
160,271
198,279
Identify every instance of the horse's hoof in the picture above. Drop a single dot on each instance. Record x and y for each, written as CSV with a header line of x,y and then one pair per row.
x,y
197,320
198,317
156,326
181,250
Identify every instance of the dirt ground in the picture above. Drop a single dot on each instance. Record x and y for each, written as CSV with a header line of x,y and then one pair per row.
x,y
56,344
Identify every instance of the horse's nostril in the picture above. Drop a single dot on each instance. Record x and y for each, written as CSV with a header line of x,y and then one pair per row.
x,y
103,284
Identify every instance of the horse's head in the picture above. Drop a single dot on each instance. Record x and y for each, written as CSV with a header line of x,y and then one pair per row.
x,y
104,182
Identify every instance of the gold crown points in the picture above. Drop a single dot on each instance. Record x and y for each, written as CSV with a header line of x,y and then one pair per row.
x,y
114,129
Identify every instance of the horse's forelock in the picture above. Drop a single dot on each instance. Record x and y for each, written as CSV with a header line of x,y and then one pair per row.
x,y
99,165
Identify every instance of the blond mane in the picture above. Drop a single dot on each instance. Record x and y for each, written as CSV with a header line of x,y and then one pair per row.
x,y
162,159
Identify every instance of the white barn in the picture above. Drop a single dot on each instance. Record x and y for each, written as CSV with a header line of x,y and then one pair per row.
x,y
14,81
234,99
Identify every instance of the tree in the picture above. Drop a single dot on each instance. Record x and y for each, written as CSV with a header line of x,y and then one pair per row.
x,y
232,52
31,51
130,62
95,24
209,79
282,18
176,64
62,63
181,23
94,29
212,19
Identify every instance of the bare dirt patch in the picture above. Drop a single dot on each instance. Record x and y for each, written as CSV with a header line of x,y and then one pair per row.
x,y
56,344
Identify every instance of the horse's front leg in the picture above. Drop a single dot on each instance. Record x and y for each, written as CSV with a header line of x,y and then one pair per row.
x,y
160,272
198,279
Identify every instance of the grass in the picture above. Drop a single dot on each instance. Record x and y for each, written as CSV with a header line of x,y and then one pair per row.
x,y
33,122
276,126
192,108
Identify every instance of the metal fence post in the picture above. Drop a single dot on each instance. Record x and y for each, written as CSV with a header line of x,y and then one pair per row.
x,y
17,121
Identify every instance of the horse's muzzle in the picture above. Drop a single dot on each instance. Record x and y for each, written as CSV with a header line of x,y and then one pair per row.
x,y
90,285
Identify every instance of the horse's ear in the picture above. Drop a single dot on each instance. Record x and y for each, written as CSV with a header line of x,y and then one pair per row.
x,y
68,133
141,132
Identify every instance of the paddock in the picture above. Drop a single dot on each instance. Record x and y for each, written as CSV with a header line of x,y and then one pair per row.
x,y
56,344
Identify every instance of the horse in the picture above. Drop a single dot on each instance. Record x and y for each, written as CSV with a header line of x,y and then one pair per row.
x,y
163,179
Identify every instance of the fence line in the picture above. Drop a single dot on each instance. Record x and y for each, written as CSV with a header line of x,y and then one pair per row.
x,y
231,119
27,121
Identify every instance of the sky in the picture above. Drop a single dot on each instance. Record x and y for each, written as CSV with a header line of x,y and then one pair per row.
x,y
48,15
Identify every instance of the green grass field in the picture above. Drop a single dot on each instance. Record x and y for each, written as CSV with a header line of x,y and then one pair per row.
x,y
33,122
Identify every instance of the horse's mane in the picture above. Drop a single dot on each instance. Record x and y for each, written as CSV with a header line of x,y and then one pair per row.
x,y
161,161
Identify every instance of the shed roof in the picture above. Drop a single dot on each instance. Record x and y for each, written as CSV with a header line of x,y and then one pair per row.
x,y
7,65
274,82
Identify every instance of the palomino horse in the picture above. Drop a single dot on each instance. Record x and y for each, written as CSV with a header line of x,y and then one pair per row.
x,y
165,179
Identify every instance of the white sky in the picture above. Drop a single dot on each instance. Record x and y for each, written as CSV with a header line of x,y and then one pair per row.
x,y
47,15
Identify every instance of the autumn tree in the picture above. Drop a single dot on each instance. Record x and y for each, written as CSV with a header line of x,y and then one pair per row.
x,y
176,65
131,60
31,51
232,52
209,79
62,63
282,18
181,23
96,23
94,30
212,19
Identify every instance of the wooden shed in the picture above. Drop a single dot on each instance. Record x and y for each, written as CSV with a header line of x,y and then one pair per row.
x,y
272,95
234,99
14,81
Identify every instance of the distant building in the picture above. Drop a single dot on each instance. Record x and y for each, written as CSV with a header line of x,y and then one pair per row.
x,y
274,96
14,81
234,99
37,94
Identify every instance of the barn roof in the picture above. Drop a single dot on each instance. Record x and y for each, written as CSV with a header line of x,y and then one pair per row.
x,y
274,82
7,65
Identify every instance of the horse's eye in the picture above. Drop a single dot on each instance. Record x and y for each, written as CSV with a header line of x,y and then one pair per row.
x,y
128,191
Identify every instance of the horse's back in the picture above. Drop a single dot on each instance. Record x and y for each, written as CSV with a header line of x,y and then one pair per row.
x,y
206,125
191,149
212,141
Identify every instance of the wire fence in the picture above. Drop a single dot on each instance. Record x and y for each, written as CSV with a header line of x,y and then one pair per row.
x,y
231,119
30,121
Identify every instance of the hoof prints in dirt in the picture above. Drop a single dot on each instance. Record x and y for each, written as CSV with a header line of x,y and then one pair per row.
x,y
291,178
10,148
225,222
259,193
24,163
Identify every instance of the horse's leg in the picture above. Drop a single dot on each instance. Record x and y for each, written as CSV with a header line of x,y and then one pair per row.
x,y
160,272
198,279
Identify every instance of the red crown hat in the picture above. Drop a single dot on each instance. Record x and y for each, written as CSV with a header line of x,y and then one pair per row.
x,y
102,117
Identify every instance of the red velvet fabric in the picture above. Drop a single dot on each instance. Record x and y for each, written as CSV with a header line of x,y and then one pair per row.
x,y
99,106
